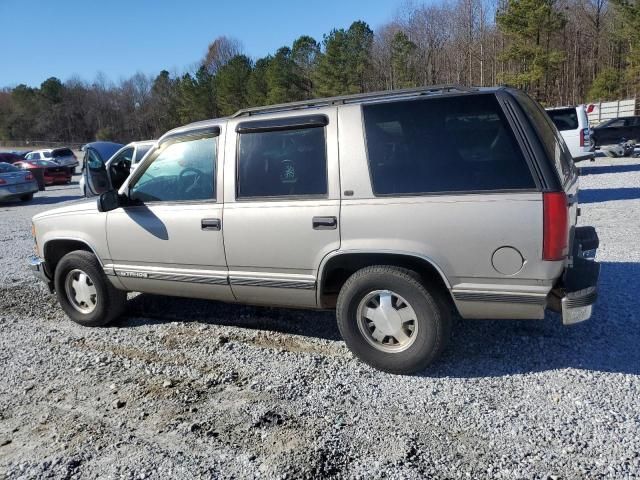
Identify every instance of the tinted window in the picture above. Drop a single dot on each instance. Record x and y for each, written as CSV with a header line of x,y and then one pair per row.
x,y
282,163
62,152
564,118
46,154
35,156
548,134
442,145
182,171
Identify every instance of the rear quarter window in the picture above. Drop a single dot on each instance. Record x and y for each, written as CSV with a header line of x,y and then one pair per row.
x,y
448,144
549,135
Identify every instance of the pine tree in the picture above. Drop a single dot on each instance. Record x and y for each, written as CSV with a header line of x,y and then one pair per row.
x,y
529,25
231,81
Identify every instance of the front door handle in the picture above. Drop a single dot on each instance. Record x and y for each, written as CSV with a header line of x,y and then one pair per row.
x,y
210,224
324,223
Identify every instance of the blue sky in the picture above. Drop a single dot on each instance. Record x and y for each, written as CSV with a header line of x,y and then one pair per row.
x,y
44,38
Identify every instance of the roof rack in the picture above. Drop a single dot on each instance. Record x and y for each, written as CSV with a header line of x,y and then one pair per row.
x,y
358,97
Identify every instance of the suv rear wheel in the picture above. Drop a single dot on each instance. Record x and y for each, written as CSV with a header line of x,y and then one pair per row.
x,y
84,292
390,320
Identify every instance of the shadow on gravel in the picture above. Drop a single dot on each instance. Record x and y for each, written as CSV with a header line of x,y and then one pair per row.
x,y
608,342
597,195
609,169
152,309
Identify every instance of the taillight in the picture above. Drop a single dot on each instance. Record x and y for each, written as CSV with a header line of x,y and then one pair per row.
x,y
2,181
555,242
29,177
590,107
582,135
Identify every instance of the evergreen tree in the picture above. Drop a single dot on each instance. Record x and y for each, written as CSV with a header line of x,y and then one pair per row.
x,y
283,83
606,86
257,87
305,53
231,82
344,65
404,72
630,13
529,25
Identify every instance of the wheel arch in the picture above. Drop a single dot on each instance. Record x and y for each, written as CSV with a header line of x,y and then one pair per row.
x,y
57,248
336,268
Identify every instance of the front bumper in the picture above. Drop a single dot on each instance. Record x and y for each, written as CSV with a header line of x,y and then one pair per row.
x,y
39,268
578,290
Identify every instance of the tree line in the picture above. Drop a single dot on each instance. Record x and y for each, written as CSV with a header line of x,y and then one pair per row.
x,y
560,51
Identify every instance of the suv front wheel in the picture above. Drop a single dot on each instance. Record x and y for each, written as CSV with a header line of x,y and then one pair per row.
x,y
391,321
84,292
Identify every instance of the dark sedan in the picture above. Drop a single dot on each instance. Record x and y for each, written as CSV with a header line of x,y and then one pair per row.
x,y
9,157
616,131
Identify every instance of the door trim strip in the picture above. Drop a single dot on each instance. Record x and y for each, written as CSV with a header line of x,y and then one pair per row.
x,y
212,277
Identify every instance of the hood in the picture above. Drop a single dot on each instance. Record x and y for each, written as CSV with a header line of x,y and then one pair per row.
x,y
82,205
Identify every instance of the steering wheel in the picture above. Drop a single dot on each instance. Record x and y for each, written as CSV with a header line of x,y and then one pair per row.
x,y
199,174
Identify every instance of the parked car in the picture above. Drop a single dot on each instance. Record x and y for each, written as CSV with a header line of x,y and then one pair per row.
x,y
53,173
389,207
16,183
10,157
623,131
98,176
573,124
62,156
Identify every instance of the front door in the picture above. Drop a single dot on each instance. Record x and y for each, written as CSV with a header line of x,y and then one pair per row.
x,y
169,239
282,206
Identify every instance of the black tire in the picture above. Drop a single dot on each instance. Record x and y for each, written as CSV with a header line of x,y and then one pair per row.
x,y
109,301
27,198
432,312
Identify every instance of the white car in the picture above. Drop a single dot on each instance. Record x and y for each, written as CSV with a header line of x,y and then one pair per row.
x,y
573,124
62,156
115,170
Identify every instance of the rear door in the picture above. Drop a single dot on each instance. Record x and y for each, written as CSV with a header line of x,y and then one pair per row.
x,y
282,205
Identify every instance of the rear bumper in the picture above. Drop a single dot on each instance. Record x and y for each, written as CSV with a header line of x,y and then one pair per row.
x,y
39,268
577,291
8,192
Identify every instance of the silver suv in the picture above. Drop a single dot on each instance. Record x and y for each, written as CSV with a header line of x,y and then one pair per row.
x,y
393,208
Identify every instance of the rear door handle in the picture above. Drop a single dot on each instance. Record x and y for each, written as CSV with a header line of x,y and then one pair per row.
x,y
210,224
324,223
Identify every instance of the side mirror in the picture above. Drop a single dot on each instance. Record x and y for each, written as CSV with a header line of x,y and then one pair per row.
x,y
108,201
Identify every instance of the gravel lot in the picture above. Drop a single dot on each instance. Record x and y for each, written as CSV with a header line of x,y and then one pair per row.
x,y
192,389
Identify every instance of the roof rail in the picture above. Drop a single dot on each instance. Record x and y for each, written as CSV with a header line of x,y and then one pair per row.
x,y
358,97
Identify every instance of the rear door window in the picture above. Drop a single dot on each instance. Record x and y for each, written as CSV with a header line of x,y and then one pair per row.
x,y
448,144
564,118
282,163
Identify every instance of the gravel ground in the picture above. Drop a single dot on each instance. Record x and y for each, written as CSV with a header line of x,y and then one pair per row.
x,y
192,389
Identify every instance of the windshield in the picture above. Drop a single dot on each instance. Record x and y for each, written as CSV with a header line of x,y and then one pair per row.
x,y
43,163
7,167
564,118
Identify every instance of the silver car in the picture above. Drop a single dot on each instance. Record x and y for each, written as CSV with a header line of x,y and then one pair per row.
x,y
393,208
